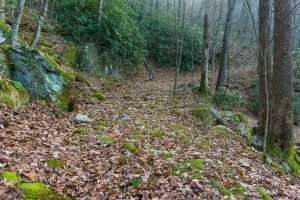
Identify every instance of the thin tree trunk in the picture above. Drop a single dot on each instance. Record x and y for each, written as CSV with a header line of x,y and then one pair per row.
x,y
16,22
281,112
143,8
40,25
177,44
205,57
157,7
2,10
100,10
225,46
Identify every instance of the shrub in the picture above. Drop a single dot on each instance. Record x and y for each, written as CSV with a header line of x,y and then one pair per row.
x,y
228,99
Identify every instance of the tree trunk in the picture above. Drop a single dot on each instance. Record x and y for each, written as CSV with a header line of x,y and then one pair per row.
x,y
40,25
264,47
177,45
143,8
157,7
281,113
17,21
2,10
225,46
100,10
205,57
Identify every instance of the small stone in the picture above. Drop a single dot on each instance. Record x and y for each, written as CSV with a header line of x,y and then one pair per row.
x,y
286,167
79,118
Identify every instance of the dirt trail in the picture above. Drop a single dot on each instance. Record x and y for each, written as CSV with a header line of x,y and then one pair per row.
x,y
159,150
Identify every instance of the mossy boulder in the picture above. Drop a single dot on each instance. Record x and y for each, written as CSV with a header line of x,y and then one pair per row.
x,y
40,77
203,115
221,129
12,93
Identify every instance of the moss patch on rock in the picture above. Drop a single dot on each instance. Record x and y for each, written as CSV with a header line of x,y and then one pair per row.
x,y
36,190
55,163
13,96
129,147
221,129
203,115
81,131
11,177
106,140
99,96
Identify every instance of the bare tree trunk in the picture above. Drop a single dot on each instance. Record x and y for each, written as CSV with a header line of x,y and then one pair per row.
x,y
40,25
264,47
2,11
100,10
177,45
157,7
205,57
281,112
225,47
17,21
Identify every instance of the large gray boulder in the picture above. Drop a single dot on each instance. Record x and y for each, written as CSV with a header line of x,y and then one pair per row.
x,y
91,59
40,77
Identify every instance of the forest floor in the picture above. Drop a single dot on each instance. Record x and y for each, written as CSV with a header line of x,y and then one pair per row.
x,y
143,143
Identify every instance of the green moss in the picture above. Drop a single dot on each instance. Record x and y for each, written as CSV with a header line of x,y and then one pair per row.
x,y
69,55
18,85
137,135
263,194
167,154
11,177
11,96
5,46
186,140
203,115
290,156
102,122
99,96
106,140
221,129
158,133
81,131
99,133
238,117
195,164
36,190
129,147
193,168
234,189
4,27
55,163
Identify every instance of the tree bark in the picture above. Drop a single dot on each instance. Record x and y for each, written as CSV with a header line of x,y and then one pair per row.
x,y
157,7
225,46
281,113
40,25
16,22
263,60
100,10
205,57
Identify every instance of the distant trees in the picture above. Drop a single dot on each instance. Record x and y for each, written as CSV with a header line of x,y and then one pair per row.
x,y
225,45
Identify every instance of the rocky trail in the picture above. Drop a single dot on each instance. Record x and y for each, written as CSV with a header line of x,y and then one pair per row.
x,y
142,143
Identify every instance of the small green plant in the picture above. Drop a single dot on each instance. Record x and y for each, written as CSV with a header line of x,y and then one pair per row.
x,y
193,168
129,147
136,182
36,190
228,99
167,154
158,133
100,96
263,194
137,135
106,140
81,131
55,163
